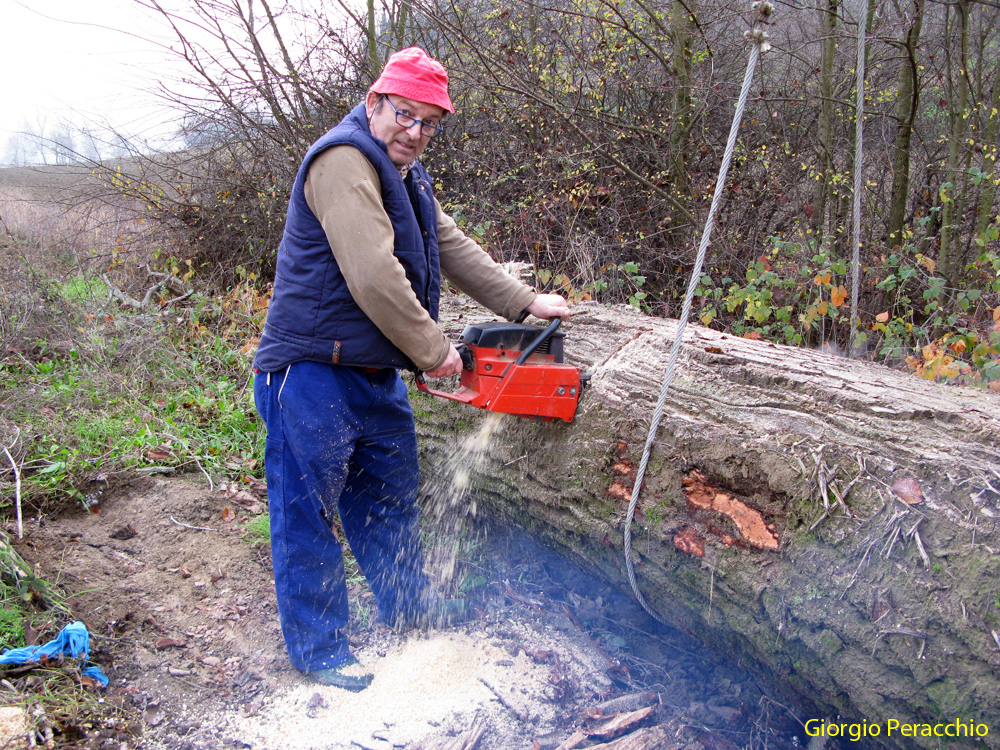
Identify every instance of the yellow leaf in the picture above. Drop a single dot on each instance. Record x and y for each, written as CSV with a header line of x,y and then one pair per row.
x,y
823,308
884,316
822,279
957,346
838,295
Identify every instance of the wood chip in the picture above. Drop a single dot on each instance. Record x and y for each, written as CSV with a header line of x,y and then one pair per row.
x,y
161,643
621,724
650,738
629,702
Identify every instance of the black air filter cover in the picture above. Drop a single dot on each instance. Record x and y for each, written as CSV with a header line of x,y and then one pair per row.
x,y
512,337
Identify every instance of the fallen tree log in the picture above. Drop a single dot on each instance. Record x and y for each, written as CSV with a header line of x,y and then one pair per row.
x,y
836,521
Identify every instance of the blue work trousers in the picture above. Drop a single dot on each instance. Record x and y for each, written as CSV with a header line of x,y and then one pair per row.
x,y
339,439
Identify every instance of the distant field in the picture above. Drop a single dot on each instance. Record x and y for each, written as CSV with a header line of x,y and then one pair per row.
x,y
64,217
46,180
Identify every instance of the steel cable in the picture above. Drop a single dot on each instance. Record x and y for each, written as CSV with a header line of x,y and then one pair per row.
x,y
760,44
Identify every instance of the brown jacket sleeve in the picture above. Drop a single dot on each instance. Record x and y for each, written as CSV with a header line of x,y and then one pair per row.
x,y
342,188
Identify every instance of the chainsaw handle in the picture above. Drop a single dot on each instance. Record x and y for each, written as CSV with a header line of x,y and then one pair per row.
x,y
468,358
468,363
542,337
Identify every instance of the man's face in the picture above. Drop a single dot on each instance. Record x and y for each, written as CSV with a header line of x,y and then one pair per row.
x,y
405,144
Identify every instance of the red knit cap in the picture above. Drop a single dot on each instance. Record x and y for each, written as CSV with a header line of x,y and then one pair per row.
x,y
412,73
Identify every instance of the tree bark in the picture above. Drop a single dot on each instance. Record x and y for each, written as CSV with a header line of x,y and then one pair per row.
x,y
823,193
949,260
908,98
876,596
681,121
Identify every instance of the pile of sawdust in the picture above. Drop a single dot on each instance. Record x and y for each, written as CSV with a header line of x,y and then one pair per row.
x,y
423,685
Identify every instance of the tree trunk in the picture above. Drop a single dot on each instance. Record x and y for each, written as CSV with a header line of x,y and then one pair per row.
x,y
951,212
988,192
834,522
908,98
824,133
681,116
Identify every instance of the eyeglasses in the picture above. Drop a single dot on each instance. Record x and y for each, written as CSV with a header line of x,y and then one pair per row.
x,y
428,129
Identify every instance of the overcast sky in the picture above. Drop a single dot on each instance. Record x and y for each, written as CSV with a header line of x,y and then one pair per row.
x,y
82,60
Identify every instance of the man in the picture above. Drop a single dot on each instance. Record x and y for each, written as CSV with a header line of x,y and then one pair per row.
x,y
356,295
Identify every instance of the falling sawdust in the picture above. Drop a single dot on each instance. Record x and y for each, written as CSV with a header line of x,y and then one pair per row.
x,y
443,497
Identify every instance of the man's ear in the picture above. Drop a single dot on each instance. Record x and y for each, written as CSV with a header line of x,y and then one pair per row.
x,y
371,100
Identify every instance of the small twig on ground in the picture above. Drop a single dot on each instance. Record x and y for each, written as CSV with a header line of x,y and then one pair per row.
x,y
211,484
188,526
887,550
17,484
850,486
119,295
897,631
995,637
175,300
818,521
920,546
245,384
821,475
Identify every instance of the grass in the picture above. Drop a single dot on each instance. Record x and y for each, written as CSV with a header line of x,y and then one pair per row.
x,y
11,625
92,389
258,529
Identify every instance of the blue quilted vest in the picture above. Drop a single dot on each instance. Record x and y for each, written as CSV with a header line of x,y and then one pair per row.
x,y
312,315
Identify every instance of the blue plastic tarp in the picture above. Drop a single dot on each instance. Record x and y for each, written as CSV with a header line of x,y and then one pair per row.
x,y
73,641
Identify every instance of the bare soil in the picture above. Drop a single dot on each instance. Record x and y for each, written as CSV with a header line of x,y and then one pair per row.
x,y
184,623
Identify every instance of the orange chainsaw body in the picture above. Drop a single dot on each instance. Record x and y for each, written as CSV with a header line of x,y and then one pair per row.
x,y
515,369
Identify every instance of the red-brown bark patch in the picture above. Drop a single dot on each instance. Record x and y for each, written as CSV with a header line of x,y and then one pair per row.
x,y
688,540
749,522
619,491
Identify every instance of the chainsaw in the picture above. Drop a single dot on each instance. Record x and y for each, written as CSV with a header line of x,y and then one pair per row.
x,y
515,369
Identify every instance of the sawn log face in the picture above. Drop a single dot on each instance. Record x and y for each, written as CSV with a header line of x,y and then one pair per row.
x,y
873,607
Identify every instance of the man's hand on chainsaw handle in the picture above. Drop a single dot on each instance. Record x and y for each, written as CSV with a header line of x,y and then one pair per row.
x,y
545,306
452,365
549,306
